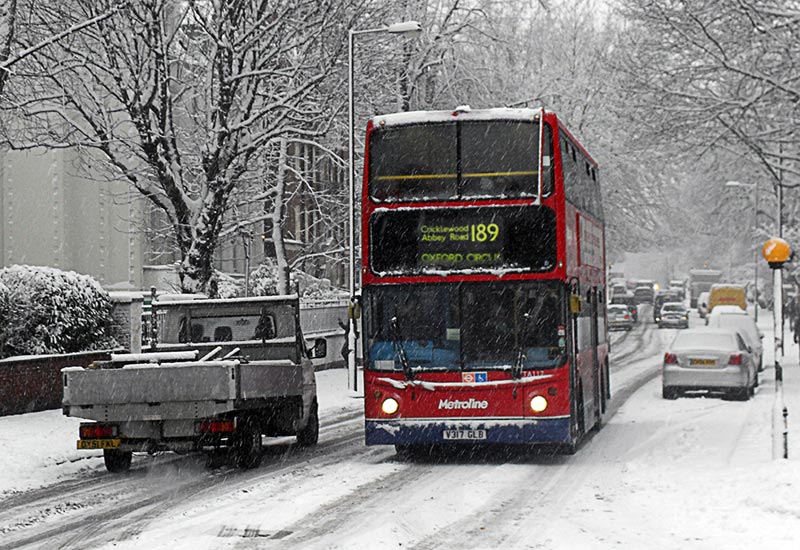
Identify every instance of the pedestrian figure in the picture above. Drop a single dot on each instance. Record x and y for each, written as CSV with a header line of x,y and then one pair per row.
x,y
796,332
345,347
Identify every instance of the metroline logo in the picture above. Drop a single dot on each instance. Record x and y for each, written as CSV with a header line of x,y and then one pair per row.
x,y
473,403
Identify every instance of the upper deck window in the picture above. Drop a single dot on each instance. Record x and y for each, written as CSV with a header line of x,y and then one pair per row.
x,y
454,160
413,162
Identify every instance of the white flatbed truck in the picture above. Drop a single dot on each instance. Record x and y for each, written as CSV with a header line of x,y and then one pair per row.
x,y
222,374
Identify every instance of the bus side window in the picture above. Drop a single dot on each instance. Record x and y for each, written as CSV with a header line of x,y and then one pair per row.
x,y
548,172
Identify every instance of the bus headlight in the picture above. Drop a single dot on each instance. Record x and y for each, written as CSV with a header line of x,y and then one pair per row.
x,y
390,405
538,403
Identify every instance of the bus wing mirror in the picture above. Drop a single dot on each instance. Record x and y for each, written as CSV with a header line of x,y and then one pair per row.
x,y
575,303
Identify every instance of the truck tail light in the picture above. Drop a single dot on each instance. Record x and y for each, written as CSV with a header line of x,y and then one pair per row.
x,y
735,359
216,426
97,431
670,359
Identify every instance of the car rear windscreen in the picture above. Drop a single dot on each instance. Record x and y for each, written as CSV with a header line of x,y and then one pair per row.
x,y
700,341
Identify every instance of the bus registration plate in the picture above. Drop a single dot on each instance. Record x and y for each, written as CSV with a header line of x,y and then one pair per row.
x,y
469,435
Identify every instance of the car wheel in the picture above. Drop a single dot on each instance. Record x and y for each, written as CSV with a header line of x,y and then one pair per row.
x,y
669,393
740,394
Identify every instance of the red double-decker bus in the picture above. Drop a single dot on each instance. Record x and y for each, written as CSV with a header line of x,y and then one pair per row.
x,y
483,280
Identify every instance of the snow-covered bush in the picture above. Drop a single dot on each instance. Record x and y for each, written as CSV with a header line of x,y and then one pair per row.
x,y
53,311
264,282
5,314
222,285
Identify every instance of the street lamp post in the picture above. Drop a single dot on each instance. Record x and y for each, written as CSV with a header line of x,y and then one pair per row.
x,y
410,28
755,233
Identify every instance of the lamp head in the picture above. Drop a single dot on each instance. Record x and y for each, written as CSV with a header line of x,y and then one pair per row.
x,y
410,28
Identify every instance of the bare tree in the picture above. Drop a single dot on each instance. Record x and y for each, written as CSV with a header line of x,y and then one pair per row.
x,y
8,15
719,74
179,98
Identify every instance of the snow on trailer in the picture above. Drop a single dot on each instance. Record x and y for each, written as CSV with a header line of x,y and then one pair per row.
x,y
223,374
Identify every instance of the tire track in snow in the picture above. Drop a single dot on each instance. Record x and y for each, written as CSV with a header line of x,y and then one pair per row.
x,y
86,512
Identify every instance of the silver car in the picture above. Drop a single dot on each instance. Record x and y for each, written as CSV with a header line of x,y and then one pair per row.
x,y
673,314
619,317
710,359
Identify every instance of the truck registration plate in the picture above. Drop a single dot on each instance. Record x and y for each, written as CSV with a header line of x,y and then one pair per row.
x,y
98,443
470,435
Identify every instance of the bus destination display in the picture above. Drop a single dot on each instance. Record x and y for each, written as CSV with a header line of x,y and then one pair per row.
x,y
417,241
468,243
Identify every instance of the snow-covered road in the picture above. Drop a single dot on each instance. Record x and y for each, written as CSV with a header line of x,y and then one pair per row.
x,y
691,473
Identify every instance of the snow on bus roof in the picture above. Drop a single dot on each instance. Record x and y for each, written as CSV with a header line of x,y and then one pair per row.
x,y
421,117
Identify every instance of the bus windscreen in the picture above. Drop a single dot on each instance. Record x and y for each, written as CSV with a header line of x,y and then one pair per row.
x,y
465,326
454,160
474,239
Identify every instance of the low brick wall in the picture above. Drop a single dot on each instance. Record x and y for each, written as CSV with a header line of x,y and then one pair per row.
x,y
33,383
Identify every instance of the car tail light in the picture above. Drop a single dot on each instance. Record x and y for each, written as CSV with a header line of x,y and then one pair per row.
x,y
735,359
670,359
97,431
627,316
216,426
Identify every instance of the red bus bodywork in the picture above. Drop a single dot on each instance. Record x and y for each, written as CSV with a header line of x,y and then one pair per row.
x,y
492,406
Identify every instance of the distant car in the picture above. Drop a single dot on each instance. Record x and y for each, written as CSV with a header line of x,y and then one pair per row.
x,y
661,298
736,318
644,294
628,300
702,305
678,286
618,289
709,359
619,317
673,314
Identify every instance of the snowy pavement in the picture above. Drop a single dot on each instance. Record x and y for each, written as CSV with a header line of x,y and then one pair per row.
x,y
40,448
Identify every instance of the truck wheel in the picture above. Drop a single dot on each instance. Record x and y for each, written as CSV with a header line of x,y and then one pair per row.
x,y
247,449
117,461
215,459
309,435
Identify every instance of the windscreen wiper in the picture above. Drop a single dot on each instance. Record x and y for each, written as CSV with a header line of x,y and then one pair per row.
x,y
516,370
398,348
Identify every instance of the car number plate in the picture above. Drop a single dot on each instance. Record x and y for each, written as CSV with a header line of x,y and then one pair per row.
x,y
470,435
702,362
98,443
